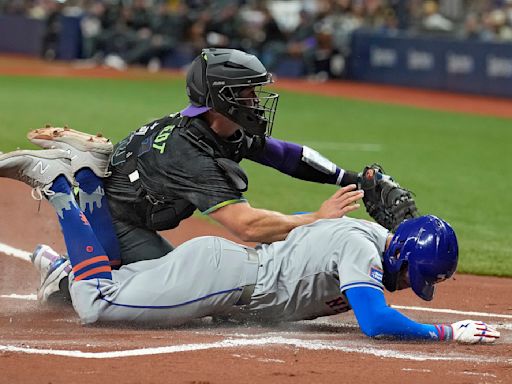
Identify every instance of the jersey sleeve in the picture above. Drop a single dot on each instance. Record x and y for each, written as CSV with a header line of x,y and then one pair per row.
x,y
376,318
206,186
361,266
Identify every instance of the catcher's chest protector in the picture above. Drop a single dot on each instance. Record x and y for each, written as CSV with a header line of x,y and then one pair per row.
x,y
154,209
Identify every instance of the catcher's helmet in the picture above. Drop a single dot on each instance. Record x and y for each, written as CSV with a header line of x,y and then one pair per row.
x,y
215,80
427,246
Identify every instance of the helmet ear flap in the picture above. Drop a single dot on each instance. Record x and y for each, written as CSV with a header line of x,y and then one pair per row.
x,y
197,88
392,264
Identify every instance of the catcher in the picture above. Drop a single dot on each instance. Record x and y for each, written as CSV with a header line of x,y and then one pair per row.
x,y
162,172
321,269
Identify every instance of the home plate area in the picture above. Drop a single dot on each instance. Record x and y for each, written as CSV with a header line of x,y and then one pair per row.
x,y
42,343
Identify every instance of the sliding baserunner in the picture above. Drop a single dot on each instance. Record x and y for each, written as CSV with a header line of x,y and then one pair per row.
x,y
320,269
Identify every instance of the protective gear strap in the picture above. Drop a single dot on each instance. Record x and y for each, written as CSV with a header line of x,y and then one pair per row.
x,y
289,157
317,161
197,132
348,178
375,318
235,173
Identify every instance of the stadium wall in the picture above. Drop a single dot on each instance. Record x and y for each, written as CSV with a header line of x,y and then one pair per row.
x,y
19,34
453,65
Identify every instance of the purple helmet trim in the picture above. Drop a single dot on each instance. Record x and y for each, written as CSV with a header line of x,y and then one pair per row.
x,y
192,111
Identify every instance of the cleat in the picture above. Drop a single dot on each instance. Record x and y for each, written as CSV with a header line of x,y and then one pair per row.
x,y
37,169
54,270
85,150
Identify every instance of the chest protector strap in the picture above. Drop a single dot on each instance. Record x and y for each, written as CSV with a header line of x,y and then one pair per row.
x,y
227,154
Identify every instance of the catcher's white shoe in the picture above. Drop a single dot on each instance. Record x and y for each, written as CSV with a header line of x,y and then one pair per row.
x,y
36,168
54,270
85,150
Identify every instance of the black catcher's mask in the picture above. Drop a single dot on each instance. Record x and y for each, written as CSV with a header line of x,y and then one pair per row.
x,y
230,82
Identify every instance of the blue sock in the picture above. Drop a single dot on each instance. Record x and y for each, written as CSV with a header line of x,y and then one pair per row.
x,y
93,203
87,257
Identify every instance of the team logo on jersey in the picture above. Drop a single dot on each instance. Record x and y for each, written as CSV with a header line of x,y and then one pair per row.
x,y
376,274
338,305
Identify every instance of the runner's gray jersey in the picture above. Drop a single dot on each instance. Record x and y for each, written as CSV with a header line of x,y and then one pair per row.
x,y
302,277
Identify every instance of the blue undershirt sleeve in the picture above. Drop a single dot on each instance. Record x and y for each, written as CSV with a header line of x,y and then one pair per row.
x,y
376,318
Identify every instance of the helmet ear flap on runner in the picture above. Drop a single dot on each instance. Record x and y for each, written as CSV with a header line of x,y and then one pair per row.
x,y
427,247
231,82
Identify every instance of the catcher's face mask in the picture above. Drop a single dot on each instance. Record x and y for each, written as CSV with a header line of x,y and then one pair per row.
x,y
231,82
251,106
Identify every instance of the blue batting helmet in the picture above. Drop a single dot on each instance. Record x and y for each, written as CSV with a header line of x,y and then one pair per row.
x,y
427,246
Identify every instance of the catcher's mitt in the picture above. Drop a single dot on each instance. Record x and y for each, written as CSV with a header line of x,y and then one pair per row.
x,y
385,201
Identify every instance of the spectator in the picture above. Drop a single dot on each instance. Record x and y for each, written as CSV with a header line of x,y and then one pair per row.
x,y
496,27
142,31
472,29
432,20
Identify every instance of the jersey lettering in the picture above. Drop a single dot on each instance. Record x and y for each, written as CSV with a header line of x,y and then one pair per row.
x,y
338,305
376,274
159,142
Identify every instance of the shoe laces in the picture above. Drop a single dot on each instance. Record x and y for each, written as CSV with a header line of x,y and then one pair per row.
x,y
38,193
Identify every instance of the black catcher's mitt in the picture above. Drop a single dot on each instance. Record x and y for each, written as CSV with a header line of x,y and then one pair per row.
x,y
385,201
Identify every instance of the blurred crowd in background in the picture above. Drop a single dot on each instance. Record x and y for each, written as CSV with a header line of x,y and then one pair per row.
x,y
124,32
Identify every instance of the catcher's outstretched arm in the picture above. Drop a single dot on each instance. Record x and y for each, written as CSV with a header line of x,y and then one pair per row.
x,y
302,163
377,319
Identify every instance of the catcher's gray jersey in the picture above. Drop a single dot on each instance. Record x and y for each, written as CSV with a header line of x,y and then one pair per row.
x,y
302,277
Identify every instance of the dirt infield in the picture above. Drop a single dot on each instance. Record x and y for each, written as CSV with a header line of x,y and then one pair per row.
x,y
41,344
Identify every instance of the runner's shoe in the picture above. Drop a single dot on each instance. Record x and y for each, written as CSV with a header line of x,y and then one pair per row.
x,y
54,270
37,168
85,150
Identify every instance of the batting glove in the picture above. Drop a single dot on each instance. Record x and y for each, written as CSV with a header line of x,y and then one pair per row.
x,y
472,332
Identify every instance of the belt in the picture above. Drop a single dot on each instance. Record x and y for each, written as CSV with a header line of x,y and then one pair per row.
x,y
248,290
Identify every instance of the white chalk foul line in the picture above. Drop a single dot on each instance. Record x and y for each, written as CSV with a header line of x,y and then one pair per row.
x,y
31,297
10,251
256,342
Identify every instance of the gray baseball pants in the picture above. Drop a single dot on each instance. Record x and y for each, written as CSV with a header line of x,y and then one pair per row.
x,y
204,277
